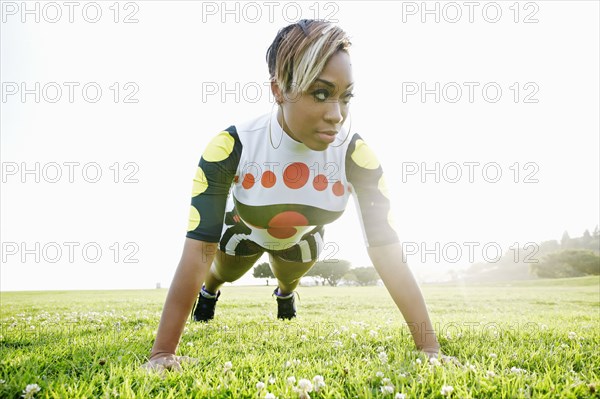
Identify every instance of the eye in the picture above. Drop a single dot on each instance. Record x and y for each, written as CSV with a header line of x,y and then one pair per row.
x,y
348,97
320,95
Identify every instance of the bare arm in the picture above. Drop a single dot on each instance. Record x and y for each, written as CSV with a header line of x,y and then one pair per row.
x,y
194,264
404,290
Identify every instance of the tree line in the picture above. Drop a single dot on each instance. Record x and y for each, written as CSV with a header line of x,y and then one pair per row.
x,y
330,272
569,257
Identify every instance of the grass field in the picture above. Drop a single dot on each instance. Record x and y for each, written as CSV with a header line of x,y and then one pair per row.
x,y
523,340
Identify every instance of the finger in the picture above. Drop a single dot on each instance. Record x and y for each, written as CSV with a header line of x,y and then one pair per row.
x,y
451,359
171,365
152,367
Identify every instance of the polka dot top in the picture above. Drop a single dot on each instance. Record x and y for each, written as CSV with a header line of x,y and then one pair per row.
x,y
280,189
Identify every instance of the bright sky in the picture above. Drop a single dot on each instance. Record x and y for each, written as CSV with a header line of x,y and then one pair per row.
x,y
135,90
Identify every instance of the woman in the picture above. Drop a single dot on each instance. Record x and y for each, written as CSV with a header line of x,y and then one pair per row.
x,y
290,172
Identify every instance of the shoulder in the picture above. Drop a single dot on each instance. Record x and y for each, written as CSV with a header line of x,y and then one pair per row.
x,y
252,126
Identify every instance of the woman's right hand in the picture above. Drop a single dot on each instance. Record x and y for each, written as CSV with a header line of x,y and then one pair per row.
x,y
167,362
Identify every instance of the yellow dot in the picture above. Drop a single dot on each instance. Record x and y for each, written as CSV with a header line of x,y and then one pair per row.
x,y
382,186
219,147
194,219
364,156
200,183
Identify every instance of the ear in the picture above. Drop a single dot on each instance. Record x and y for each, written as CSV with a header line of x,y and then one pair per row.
x,y
277,93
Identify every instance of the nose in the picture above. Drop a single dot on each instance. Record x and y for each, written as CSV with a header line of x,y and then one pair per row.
x,y
334,114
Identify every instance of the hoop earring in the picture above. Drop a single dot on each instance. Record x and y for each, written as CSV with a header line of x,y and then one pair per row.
x,y
348,135
270,122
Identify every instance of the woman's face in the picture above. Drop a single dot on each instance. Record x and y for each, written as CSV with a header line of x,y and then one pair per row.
x,y
316,116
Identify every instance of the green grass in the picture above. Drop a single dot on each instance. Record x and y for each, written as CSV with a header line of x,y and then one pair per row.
x,y
536,339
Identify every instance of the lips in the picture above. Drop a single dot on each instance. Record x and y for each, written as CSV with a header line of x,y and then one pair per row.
x,y
327,136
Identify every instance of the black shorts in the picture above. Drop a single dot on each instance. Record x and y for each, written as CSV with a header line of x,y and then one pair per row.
x,y
236,241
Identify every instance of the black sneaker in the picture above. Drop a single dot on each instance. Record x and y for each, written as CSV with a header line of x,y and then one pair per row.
x,y
205,307
286,306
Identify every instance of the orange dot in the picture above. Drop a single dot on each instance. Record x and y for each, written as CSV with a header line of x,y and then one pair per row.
x,y
248,181
338,188
268,179
283,224
320,182
296,175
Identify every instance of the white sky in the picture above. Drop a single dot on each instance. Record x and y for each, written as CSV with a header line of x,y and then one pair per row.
x,y
178,50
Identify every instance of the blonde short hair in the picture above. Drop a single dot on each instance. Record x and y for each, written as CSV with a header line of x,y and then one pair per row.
x,y
300,51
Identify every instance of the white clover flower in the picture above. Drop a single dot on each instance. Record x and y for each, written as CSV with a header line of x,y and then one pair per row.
x,y
418,361
434,361
318,382
387,389
291,380
373,333
472,367
447,390
387,381
400,396
288,364
379,374
490,373
544,327
227,367
517,370
190,343
305,385
303,338
30,390
383,357
572,335
353,336
344,328
493,355
269,395
260,385
272,380
380,349
295,362
337,344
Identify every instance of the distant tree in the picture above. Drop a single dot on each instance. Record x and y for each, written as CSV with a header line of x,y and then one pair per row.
x,y
331,270
350,278
586,235
568,263
596,232
365,275
565,241
263,270
550,246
